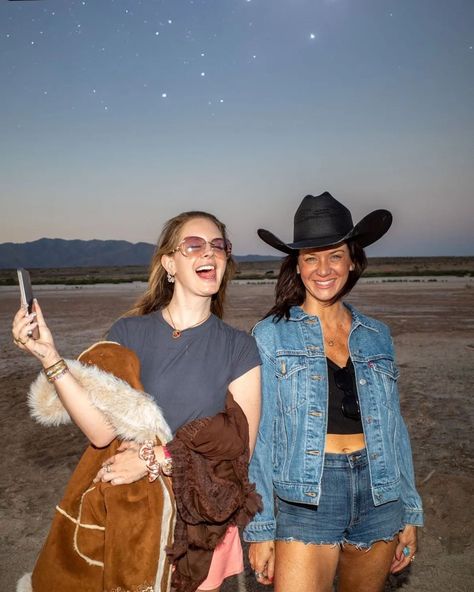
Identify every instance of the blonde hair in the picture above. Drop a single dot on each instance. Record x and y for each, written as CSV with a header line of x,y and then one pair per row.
x,y
159,291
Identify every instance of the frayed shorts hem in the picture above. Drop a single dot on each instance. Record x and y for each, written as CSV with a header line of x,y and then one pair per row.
x,y
358,545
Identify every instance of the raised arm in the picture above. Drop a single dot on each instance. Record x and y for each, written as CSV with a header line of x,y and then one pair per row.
x,y
74,398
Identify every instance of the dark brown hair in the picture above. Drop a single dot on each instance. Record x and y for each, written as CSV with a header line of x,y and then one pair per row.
x,y
290,290
159,291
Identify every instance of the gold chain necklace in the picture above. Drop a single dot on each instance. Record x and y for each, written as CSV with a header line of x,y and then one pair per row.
x,y
177,332
331,341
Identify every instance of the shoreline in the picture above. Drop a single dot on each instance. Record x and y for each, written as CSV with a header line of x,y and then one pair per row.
x,y
137,285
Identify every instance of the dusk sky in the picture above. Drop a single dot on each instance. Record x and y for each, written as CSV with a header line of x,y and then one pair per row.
x,y
116,115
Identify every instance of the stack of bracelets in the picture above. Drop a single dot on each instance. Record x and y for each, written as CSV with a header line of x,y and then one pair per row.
x,y
155,468
56,370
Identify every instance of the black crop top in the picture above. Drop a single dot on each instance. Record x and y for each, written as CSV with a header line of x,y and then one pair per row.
x,y
338,423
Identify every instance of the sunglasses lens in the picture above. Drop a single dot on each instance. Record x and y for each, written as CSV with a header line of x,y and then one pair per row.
x,y
350,404
219,245
350,407
193,245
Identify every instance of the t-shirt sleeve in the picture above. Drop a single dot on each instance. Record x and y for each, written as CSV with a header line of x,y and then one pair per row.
x,y
118,333
246,354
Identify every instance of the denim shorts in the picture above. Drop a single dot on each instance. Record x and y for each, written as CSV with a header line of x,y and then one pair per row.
x,y
346,513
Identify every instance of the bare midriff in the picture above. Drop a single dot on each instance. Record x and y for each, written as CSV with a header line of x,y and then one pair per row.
x,y
344,443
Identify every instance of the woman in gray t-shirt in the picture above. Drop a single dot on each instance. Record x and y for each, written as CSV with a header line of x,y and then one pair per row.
x,y
189,357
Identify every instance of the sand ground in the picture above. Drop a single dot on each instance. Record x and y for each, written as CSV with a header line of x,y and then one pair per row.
x,y
433,327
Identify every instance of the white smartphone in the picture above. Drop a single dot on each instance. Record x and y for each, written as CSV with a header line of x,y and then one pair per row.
x,y
26,295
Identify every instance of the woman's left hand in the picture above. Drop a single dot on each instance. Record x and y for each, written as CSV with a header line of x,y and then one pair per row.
x,y
123,467
406,539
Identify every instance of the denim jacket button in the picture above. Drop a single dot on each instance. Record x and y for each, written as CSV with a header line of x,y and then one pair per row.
x,y
362,381
316,377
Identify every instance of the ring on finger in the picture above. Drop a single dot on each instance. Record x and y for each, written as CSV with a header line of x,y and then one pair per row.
x,y
412,558
18,340
258,574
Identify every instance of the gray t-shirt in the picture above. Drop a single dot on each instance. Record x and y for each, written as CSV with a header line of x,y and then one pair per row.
x,y
188,377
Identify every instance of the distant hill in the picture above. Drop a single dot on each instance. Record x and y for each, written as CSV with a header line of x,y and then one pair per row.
x,y
58,253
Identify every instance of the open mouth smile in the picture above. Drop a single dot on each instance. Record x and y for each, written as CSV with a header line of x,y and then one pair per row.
x,y
206,272
324,283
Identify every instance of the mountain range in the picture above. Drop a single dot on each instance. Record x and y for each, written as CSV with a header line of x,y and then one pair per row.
x,y
57,252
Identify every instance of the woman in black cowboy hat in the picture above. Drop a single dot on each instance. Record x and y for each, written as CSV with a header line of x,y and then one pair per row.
x,y
333,461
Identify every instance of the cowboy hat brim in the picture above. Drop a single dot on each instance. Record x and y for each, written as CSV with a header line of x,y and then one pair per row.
x,y
366,232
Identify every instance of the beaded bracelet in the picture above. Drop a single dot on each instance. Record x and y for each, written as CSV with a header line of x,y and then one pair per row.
x,y
60,374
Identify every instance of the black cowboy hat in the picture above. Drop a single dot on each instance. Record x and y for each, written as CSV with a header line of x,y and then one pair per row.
x,y
322,221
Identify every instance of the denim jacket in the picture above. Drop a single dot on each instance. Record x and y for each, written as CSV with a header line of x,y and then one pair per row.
x,y
289,454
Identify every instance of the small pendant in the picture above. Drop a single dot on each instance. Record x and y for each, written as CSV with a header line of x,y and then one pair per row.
x,y
176,334
331,342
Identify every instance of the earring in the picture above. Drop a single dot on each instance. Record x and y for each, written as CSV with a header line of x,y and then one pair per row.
x,y
170,278
351,268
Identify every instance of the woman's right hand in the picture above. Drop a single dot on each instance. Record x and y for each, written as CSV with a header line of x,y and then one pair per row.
x,y
42,348
262,560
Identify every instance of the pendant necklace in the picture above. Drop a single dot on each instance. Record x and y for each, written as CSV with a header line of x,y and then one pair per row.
x,y
176,334
331,341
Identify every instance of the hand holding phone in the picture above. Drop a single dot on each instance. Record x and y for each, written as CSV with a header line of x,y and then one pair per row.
x,y
26,295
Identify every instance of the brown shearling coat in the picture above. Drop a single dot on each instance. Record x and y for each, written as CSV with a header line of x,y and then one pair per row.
x,y
108,538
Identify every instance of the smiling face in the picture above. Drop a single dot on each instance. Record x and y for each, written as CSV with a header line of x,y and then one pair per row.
x,y
324,272
197,274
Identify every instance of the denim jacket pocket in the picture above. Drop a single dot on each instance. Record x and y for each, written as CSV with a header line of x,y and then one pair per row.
x,y
386,375
291,374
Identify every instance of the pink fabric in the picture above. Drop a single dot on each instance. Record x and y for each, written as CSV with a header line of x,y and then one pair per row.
x,y
227,560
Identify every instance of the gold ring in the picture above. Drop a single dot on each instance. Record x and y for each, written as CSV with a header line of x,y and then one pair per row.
x,y
412,558
18,340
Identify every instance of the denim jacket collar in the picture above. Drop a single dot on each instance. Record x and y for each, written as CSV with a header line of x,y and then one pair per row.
x,y
358,319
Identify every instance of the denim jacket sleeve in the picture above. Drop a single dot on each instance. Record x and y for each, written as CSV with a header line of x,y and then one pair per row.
x,y
262,527
412,506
